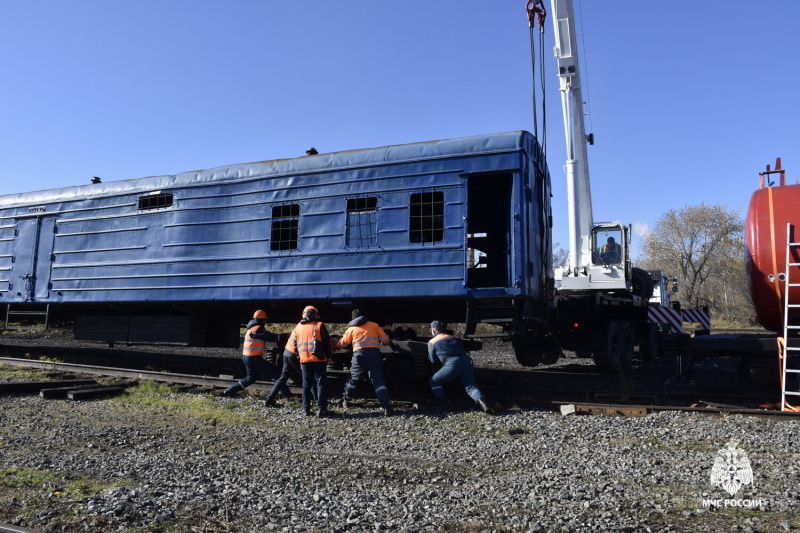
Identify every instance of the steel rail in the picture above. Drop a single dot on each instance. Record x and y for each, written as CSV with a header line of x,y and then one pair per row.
x,y
150,375
10,528
537,399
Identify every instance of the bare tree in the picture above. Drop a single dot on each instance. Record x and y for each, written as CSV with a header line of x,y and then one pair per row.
x,y
704,247
559,255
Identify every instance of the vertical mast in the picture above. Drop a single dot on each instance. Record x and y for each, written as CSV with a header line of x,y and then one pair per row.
x,y
579,194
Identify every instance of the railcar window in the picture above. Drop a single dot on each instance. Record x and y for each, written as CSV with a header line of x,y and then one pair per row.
x,y
427,217
362,221
285,220
155,201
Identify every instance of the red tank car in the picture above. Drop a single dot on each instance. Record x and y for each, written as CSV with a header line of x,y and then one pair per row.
x,y
773,207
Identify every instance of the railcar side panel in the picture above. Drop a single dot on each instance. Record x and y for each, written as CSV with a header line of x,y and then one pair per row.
x,y
447,220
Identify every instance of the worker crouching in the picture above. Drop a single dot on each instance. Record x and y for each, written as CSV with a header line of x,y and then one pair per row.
x,y
449,351
312,341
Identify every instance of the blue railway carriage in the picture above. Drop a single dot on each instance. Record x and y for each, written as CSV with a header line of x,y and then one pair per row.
x,y
455,230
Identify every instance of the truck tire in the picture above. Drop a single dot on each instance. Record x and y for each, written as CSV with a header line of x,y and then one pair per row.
x,y
628,342
649,347
607,357
641,284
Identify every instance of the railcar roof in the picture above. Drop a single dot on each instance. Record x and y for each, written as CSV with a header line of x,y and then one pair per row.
x,y
480,144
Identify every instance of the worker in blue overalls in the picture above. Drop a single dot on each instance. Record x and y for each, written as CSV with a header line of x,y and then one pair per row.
x,y
448,350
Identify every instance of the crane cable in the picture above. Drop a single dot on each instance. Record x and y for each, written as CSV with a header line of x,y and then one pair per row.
x,y
536,11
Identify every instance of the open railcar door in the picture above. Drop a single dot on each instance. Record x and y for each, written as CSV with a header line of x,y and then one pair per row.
x,y
488,230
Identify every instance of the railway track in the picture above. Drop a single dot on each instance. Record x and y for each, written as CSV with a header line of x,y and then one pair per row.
x,y
510,396
11,528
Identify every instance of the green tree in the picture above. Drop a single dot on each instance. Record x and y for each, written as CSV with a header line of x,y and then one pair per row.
x,y
703,246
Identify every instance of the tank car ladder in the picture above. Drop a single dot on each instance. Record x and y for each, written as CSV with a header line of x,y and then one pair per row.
x,y
789,346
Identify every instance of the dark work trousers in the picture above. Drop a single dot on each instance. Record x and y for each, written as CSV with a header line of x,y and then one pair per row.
x,y
457,367
291,364
371,362
256,366
314,376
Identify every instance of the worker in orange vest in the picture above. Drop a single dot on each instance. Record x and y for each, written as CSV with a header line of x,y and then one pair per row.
x,y
313,344
254,342
366,338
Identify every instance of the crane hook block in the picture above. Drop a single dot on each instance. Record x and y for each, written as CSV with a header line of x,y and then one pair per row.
x,y
535,8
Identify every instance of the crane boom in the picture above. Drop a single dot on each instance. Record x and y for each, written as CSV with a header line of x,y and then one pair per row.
x,y
599,253
579,194
603,303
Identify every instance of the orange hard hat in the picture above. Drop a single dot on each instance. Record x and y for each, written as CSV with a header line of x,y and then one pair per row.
x,y
260,315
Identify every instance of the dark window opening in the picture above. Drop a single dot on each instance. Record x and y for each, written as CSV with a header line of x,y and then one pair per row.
x,y
362,204
489,230
427,217
362,221
285,222
607,246
155,201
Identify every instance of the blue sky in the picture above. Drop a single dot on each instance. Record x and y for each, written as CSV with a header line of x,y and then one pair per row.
x,y
688,101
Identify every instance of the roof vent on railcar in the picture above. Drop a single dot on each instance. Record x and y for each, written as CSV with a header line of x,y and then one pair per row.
x,y
96,180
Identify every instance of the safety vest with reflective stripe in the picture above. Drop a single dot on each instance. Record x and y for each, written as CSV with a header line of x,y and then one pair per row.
x,y
253,347
303,339
367,335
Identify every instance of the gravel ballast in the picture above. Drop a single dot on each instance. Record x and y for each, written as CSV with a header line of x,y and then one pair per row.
x,y
193,462
162,468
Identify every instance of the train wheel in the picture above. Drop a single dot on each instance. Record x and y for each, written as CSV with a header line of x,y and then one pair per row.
x,y
552,349
527,352
759,376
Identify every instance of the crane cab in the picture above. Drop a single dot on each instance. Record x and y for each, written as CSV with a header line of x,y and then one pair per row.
x,y
605,261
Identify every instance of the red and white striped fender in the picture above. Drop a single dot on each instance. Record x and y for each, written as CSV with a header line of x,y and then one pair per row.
x,y
697,315
665,315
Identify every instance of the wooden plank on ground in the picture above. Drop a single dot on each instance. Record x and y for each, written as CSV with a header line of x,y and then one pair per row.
x,y
94,392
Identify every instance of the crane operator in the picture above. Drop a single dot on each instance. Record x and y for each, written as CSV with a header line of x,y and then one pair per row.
x,y
611,252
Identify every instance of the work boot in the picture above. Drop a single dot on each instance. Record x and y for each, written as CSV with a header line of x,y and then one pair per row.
x,y
485,407
388,411
324,414
308,412
270,402
230,393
